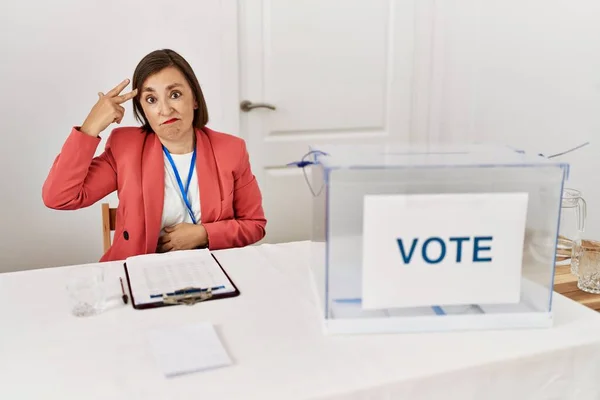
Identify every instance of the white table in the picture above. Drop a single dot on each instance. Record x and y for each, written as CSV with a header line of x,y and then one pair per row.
x,y
274,337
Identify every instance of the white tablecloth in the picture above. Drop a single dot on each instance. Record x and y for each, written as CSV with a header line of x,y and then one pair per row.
x,y
274,337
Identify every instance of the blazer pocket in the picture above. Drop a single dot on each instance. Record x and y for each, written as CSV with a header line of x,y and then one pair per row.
x,y
227,208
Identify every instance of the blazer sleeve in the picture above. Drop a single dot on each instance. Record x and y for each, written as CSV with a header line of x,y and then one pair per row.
x,y
248,225
77,179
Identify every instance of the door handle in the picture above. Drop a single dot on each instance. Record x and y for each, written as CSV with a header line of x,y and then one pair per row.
x,y
247,105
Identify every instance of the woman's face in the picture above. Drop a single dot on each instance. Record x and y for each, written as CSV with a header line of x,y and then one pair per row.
x,y
168,103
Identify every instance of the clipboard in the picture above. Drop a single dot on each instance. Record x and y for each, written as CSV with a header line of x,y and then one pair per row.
x,y
185,296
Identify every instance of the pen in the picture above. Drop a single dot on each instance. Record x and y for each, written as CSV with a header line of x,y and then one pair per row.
x,y
124,297
193,290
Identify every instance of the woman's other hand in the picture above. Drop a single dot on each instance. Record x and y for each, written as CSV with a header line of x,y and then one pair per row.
x,y
182,236
107,110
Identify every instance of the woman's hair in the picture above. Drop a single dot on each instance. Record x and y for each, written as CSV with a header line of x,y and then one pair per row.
x,y
156,62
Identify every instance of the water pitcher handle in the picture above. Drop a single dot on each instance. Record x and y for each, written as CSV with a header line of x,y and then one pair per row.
x,y
582,214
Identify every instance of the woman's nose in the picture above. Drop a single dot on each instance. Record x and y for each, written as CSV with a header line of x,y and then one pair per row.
x,y
164,107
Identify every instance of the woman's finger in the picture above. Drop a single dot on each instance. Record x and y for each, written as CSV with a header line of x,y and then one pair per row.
x,y
118,114
171,228
164,239
165,248
117,89
124,97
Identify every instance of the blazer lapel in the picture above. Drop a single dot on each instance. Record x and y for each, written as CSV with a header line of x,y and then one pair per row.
x,y
153,189
208,178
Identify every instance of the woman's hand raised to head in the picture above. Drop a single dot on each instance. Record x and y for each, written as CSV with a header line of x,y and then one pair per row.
x,y
107,110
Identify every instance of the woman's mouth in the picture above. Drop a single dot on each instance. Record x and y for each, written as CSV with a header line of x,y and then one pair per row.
x,y
170,121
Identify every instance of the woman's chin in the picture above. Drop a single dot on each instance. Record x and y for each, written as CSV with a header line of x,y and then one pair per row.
x,y
172,132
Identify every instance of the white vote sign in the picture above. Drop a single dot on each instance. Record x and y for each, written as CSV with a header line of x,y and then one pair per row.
x,y
442,249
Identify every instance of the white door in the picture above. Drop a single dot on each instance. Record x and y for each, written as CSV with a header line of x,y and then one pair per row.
x,y
335,71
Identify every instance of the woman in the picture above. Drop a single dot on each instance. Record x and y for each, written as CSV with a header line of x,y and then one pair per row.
x,y
180,184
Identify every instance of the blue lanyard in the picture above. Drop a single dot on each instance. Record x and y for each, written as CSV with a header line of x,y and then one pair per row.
x,y
184,192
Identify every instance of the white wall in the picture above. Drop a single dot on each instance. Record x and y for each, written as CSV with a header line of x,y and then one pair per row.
x,y
524,73
55,57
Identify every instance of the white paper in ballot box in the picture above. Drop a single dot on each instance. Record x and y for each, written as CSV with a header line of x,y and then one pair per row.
x,y
442,249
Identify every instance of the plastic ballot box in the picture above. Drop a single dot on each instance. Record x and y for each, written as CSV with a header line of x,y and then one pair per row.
x,y
409,239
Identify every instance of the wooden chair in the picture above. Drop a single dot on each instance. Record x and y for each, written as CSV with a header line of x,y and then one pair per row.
x,y
109,217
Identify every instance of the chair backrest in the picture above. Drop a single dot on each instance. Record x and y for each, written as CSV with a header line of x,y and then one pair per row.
x,y
109,218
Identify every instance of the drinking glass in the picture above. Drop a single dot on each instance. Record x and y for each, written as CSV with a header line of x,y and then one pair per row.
x,y
86,290
587,255
572,225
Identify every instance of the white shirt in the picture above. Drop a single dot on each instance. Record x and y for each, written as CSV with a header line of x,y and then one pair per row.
x,y
174,208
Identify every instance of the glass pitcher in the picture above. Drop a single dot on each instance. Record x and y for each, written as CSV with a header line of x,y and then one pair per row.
x,y
572,225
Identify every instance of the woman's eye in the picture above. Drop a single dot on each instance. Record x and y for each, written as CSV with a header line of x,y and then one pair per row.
x,y
150,99
175,95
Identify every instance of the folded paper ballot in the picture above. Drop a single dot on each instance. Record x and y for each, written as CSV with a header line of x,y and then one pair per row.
x,y
184,349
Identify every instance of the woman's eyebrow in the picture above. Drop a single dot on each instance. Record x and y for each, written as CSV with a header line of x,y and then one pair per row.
x,y
171,86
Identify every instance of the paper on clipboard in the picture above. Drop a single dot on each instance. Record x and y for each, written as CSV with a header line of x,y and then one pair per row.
x,y
152,275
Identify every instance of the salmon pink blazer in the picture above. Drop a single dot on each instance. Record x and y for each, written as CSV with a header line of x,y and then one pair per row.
x,y
133,165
